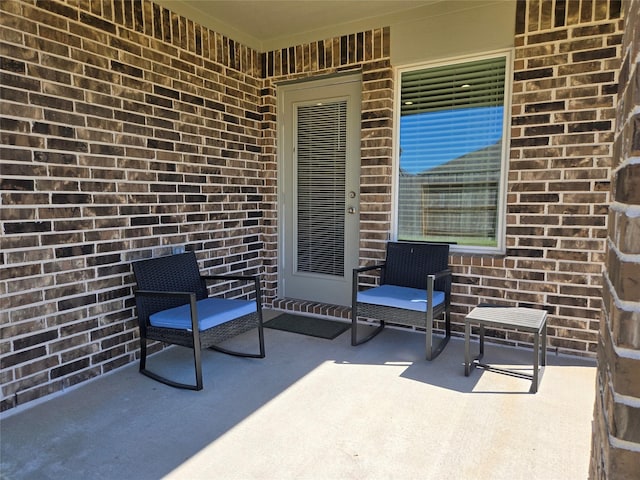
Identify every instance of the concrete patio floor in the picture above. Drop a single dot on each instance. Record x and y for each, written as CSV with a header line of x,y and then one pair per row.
x,y
314,409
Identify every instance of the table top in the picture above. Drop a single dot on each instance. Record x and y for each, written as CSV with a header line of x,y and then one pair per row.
x,y
530,319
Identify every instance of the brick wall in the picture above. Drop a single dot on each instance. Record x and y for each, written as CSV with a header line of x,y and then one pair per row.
x,y
616,426
126,130
563,117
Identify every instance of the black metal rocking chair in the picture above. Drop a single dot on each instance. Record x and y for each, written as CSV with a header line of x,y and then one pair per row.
x,y
415,288
174,307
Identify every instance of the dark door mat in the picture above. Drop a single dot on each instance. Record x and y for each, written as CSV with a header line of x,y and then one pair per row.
x,y
314,327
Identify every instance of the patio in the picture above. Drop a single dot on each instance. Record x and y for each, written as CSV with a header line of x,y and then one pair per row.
x,y
315,408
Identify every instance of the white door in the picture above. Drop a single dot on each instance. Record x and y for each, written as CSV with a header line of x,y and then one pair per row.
x,y
319,178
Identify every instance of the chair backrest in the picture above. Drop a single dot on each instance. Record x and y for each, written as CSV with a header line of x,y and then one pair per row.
x,y
408,263
174,273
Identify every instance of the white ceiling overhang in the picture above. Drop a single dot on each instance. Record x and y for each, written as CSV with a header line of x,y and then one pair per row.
x,y
273,24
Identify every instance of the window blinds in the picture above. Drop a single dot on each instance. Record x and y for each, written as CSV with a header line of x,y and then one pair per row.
x,y
473,84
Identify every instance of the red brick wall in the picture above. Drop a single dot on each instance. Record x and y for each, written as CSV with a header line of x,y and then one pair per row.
x,y
126,130
567,56
616,426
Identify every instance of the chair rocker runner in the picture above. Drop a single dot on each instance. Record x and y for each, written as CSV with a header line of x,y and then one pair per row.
x,y
415,288
174,307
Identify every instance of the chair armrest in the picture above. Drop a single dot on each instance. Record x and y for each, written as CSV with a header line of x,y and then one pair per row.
x,y
355,287
247,278
163,293
431,281
243,278
368,267
443,273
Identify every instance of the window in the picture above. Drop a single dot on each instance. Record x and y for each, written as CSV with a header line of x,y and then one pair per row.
x,y
453,149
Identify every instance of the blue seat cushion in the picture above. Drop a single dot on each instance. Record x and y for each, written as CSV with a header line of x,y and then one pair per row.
x,y
211,312
400,297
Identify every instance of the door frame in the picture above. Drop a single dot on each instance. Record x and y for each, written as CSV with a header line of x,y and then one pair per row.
x,y
292,86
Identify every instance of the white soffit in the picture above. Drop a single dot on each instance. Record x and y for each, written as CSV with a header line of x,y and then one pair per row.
x,y
273,24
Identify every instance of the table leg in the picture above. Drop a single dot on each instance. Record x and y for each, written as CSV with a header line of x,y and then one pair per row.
x,y
481,341
467,354
536,361
544,343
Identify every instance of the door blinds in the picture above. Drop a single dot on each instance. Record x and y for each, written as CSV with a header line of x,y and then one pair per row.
x,y
320,193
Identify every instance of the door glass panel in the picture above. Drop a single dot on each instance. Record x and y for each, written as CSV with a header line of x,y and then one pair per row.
x,y
321,149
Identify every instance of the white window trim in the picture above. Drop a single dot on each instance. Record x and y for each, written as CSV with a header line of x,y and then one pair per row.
x,y
500,249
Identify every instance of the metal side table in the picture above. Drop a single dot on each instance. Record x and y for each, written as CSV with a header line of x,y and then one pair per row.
x,y
517,318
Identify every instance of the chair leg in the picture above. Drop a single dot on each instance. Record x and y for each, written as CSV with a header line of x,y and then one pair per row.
x,y
260,331
354,328
171,383
261,338
243,354
143,353
166,381
197,360
433,351
467,348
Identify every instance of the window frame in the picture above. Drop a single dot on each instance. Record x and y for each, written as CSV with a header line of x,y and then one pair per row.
x,y
500,248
